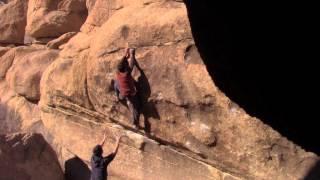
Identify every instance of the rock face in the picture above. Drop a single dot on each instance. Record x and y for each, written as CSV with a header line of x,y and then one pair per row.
x,y
181,105
25,73
20,74
49,18
54,44
190,130
28,156
13,21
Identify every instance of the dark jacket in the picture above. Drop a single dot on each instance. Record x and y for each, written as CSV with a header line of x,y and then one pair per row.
x,y
99,166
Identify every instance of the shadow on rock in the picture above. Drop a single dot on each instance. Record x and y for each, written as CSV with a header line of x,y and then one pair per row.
x,y
147,108
314,173
10,119
28,156
76,169
245,51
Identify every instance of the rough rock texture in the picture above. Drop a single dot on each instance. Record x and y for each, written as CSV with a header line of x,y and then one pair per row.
x,y
25,73
100,11
182,107
49,18
138,158
13,20
20,74
28,156
3,50
190,130
54,44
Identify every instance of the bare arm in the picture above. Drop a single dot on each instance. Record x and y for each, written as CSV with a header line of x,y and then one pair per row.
x,y
132,62
104,138
131,58
112,155
117,145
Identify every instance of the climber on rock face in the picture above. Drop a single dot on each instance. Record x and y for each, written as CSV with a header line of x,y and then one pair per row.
x,y
99,163
124,84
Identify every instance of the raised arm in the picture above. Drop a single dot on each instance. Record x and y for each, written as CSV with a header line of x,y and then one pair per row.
x,y
112,155
115,150
104,138
131,58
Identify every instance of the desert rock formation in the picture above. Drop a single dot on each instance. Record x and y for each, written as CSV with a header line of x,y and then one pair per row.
x,y
190,129
28,156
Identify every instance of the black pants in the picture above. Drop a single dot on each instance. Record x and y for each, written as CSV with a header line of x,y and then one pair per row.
x,y
133,103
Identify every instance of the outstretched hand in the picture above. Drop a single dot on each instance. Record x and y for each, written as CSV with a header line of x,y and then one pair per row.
x,y
105,134
129,52
132,52
104,137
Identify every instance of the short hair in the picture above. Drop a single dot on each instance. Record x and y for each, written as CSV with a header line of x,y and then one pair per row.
x,y
97,150
123,65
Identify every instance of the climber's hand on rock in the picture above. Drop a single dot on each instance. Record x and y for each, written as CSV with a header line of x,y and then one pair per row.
x,y
127,54
132,52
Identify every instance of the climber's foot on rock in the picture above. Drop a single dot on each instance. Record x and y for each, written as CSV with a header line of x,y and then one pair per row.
x,y
136,125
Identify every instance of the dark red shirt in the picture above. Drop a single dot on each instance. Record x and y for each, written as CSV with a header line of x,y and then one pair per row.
x,y
126,84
